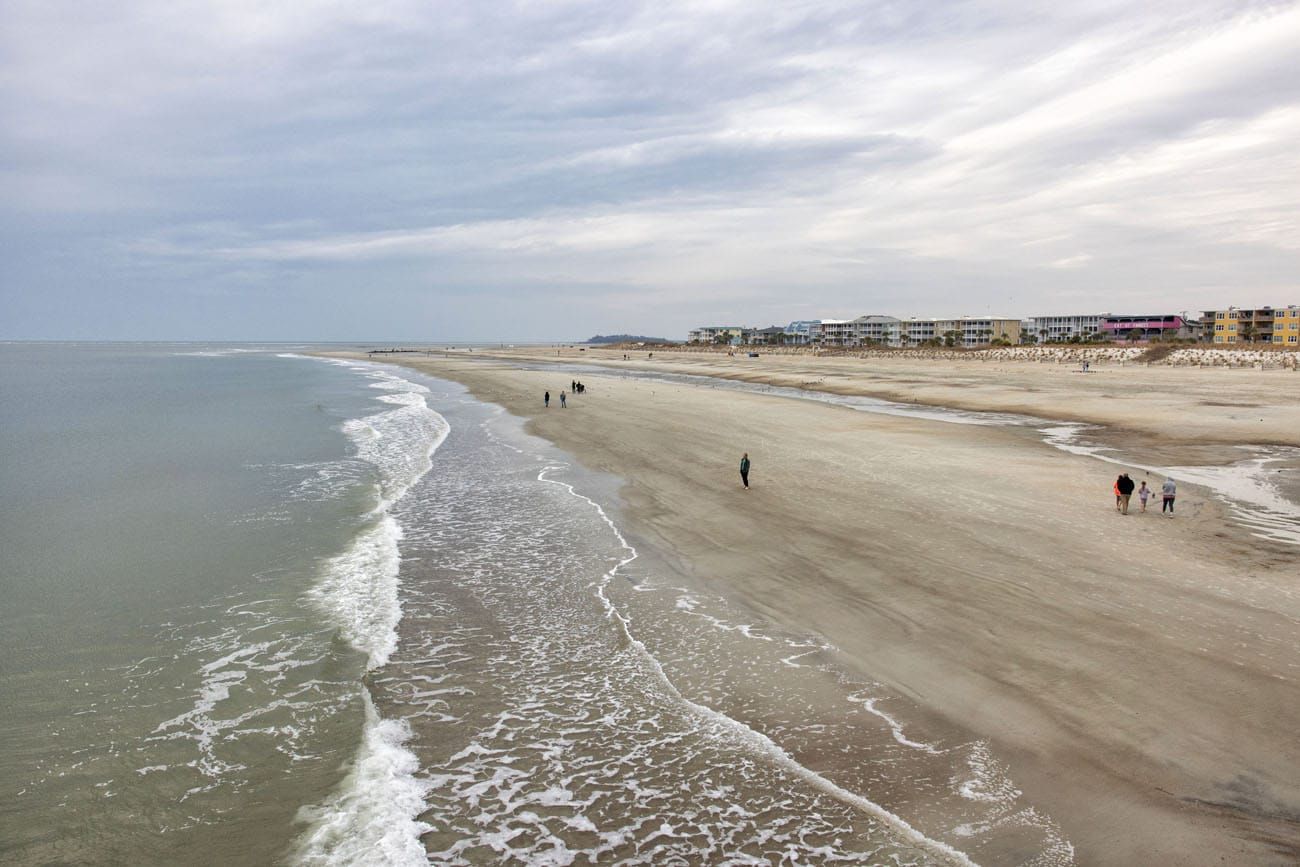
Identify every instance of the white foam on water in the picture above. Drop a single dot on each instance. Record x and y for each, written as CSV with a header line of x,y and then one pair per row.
x,y
372,817
868,704
734,728
359,587
688,604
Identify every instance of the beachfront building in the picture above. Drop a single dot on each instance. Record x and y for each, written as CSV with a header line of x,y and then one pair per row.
x,y
983,331
916,332
836,332
773,335
1144,327
876,331
1241,326
1286,326
799,332
716,334
1063,329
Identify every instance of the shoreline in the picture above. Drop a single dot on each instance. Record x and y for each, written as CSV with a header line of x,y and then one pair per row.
x,y
1062,664
1176,404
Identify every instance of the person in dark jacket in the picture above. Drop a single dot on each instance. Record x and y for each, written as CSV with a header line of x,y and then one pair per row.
x,y
1126,486
744,470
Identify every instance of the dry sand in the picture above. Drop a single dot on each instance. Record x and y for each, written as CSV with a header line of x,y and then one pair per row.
x,y
1138,674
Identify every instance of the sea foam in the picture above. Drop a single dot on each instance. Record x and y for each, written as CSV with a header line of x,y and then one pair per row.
x,y
358,588
371,817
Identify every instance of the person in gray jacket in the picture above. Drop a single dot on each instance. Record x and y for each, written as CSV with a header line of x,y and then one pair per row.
x,y
1167,493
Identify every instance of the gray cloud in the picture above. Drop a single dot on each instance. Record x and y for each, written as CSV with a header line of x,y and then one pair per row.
x,y
407,170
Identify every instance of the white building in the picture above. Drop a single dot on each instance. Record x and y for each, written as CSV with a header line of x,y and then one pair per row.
x,y
836,332
877,330
1058,329
712,333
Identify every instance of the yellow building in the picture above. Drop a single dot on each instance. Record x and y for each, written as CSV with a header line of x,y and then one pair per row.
x,y
1261,325
1286,326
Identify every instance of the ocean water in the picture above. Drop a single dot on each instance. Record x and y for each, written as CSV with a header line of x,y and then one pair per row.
x,y
257,607
197,567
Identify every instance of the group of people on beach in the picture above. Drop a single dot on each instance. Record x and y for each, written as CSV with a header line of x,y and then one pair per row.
x,y
575,387
1124,490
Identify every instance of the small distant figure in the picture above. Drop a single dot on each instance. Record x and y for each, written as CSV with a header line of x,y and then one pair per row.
x,y
1115,488
1126,486
1168,491
744,470
573,385
1143,494
582,389
562,402
546,400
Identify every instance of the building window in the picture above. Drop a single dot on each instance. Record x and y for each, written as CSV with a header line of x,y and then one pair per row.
x,y
1291,338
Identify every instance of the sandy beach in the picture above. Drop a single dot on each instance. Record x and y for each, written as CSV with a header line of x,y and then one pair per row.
x,y
1138,675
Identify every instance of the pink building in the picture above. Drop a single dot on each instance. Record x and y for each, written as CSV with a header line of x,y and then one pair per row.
x,y
1120,327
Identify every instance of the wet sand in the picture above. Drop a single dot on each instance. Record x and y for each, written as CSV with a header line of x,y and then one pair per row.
x,y
1138,674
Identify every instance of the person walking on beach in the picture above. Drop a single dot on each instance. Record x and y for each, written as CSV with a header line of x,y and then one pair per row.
x,y
1143,493
744,470
546,399
1115,487
1167,493
1125,485
562,403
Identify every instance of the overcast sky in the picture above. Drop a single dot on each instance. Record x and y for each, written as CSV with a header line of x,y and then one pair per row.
x,y
250,169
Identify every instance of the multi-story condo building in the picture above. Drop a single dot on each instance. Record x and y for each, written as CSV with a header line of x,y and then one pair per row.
x,y
1059,329
1286,326
1241,326
836,332
715,333
917,331
879,330
982,331
1144,327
